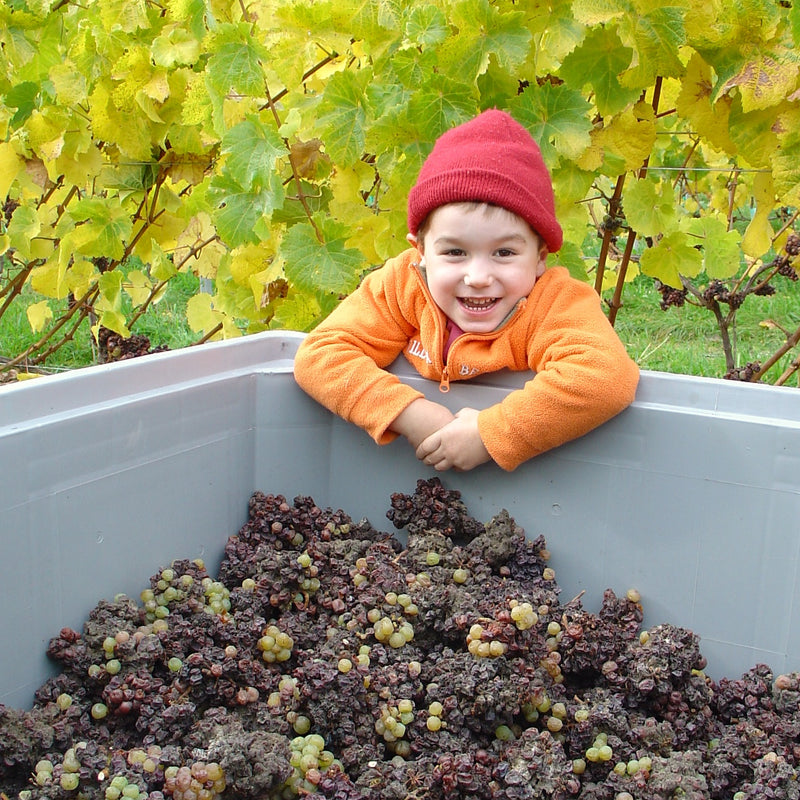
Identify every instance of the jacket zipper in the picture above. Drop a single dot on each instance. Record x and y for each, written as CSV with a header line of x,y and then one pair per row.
x,y
444,383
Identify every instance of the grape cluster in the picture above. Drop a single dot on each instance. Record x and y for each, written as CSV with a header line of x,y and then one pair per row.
x,y
331,659
716,291
744,373
115,347
670,296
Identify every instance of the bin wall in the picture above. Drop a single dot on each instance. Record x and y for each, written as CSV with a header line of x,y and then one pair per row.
x,y
109,473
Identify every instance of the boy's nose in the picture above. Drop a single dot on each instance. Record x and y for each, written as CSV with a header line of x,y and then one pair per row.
x,y
478,273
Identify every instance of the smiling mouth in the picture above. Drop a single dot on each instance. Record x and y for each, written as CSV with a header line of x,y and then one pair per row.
x,y
478,303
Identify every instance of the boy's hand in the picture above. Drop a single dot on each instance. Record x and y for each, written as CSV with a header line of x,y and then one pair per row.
x,y
420,419
457,445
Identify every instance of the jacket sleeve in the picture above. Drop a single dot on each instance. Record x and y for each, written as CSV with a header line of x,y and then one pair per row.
x,y
342,362
584,376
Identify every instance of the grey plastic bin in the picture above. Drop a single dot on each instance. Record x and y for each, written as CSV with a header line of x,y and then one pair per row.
x,y
692,495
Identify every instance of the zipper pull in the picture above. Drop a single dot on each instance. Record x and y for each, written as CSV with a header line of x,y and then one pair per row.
x,y
444,383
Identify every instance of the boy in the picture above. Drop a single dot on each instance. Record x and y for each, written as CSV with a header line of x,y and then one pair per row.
x,y
472,295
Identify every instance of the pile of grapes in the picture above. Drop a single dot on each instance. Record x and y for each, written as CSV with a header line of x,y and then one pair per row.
x,y
329,659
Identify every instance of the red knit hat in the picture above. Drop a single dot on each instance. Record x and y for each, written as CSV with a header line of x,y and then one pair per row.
x,y
490,159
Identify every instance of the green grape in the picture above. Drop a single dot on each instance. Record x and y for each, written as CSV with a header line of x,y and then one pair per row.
x,y
70,781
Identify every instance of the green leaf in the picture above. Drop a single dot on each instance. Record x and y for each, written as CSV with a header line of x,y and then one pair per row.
x,y
721,247
650,207
598,61
175,47
672,256
342,116
786,167
440,105
106,227
321,266
252,148
23,97
298,312
570,256
426,26
657,34
240,208
236,65
558,119
484,31
24,226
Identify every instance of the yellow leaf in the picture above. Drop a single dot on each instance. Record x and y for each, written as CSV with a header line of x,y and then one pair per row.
x,y
112,320
198,248
764,82
82,168
247,260
630,135
161,266
757,238
49,279
5,243
80,276
45,135
69,83
39,314
10,164
347,183
200,313
694,103
369,231
137,286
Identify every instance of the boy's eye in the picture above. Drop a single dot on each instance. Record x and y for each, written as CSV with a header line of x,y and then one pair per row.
x,y
505,252
454,252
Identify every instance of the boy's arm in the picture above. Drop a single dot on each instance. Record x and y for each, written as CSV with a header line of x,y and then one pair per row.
x,y
419,420
342,364
584,377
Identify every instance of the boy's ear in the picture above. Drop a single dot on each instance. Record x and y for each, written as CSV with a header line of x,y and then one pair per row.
x,y
542,265
414,242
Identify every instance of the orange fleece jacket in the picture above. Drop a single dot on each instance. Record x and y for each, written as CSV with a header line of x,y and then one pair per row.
x,y
584,375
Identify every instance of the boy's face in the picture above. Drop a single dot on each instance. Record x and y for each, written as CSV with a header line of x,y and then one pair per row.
x,y
480,261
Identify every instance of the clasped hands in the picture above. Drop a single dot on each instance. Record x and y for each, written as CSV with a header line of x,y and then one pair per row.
x,y
441,439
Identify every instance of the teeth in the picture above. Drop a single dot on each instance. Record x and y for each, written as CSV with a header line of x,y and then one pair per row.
x,y
474,302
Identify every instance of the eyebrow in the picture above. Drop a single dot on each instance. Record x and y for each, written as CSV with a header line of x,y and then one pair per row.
x,y
451,240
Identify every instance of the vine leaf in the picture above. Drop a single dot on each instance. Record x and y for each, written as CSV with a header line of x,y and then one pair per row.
x,y
650,208
757,239
557,118
598,62
672,256
342,116
764,81
484,32
720,246
327,266
694,102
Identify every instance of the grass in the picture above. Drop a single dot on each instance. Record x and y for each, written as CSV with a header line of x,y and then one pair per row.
x,y
680,340
165,326
687,341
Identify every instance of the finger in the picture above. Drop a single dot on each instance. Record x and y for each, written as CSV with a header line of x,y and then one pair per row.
x,y
427,447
